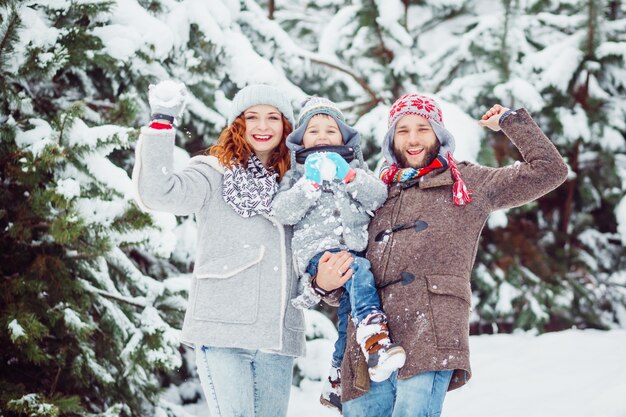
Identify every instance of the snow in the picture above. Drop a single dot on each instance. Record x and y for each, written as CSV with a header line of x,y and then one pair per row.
x,y
620,209
326,167
132,29
498,219
611,48
558,62
40,34
328,39
167,93
573,373
390,12
36,139
466,131
620,215
73,320
506,294
612,140
575,124
521,92
68,188
16,330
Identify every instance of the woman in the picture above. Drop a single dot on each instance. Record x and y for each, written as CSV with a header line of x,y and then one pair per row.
x,y
245,332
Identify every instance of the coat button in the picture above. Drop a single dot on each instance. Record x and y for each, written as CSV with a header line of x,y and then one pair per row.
x,y
434,287
275,268
407,278
164,170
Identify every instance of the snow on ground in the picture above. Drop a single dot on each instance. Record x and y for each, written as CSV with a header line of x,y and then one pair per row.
x,y
573,373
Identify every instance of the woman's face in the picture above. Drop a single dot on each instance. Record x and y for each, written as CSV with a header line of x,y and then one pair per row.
x,y
264,129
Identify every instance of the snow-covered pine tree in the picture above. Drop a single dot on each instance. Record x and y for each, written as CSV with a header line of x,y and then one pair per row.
x,y
83,330
532,54
557,262
356,53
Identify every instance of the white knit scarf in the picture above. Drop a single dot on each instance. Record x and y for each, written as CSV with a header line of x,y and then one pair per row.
x,y
250,191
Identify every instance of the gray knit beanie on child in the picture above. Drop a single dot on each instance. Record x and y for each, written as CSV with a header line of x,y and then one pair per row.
x,y
260,94
320,105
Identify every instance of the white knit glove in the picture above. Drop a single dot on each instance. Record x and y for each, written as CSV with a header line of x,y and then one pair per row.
x,y
167,98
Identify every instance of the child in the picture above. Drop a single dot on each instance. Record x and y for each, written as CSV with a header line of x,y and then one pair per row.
x,y
329,202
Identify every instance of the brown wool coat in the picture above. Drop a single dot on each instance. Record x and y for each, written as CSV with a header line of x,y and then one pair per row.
x,y
429,317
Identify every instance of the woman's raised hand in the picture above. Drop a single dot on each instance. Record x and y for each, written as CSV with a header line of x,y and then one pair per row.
x,y
167,98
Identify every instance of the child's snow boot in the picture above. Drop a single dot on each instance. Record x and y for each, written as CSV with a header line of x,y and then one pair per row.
x,y
331,390
382,356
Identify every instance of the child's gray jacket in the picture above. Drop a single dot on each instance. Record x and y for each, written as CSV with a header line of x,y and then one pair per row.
x,y
334,216
243,274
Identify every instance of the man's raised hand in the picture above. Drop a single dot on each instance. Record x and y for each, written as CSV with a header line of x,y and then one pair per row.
x,y
491,118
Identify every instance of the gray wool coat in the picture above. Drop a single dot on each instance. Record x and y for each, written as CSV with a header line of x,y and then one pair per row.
x,y
335,216
243,275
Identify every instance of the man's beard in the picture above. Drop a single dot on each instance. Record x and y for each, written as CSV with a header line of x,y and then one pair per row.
x,y
430,154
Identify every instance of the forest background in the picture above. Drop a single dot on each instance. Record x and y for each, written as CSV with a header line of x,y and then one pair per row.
x,y
93,290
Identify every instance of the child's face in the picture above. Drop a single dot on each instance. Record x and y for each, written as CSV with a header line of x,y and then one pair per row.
x,y
322,130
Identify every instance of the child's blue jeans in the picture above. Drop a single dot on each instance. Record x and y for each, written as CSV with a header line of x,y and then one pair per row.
x,y
361,298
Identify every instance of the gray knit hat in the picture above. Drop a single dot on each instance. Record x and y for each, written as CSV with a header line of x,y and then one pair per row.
x,y
320,105
254,94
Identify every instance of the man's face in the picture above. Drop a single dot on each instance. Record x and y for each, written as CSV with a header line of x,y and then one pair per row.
x,y
415,144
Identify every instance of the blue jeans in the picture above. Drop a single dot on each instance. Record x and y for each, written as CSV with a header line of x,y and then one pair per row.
x,y
242,382
342,330
418,396
361,298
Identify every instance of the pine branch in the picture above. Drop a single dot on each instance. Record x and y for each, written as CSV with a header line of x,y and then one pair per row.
x,y
382,51
406,3
281,37
568,202
56,381
9,33
504,56
349,72
117,297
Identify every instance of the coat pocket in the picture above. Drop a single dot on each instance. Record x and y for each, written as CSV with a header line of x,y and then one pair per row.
x,y
227,288
450,300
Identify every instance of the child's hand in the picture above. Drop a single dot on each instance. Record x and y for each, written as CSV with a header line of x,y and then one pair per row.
x,y
312,168
344,172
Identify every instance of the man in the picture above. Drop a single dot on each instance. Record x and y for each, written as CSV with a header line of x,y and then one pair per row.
x,y
422,246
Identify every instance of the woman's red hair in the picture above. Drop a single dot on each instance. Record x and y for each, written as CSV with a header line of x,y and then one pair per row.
x,y
232,148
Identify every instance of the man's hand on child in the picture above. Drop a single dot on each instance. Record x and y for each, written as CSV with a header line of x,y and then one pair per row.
x,y
333,270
